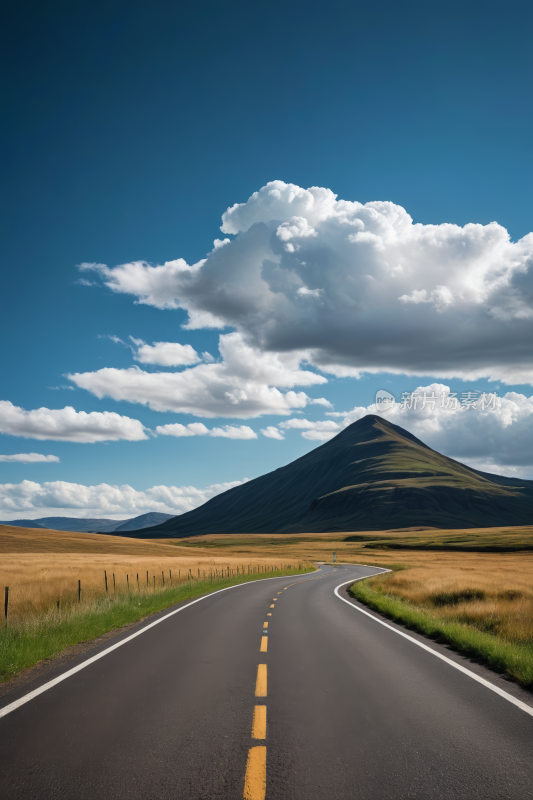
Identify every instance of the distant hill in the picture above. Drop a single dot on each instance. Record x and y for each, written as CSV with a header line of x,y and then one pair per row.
x,y
91,525
372,476
144,521
23,523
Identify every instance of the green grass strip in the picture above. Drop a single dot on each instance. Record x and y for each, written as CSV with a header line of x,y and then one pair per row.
x,y
516,660
25,644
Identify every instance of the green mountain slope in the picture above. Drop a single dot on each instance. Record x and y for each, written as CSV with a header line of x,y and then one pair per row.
x,y
372,476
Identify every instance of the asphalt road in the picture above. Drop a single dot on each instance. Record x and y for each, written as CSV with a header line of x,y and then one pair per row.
x,y
353,710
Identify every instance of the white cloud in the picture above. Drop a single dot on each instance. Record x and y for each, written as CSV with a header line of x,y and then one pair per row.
x,y
307,424
295,228
165,354
177,429
33,500
271,432
380,293
199,429
244,385
495,439
85,282
234,432
29,458
68,425
113,338
316,435
319,431
501,436
303,290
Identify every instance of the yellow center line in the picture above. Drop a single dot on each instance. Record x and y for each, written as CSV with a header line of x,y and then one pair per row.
x,y
261,681
259,725
305,581
255,780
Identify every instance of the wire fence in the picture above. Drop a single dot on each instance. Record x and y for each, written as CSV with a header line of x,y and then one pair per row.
x,y
117,584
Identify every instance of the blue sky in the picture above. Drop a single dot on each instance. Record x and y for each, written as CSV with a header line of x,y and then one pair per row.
x,y
130,128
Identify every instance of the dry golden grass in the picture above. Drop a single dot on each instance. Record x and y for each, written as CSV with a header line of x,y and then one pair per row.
x,y
35,540
42,567
492,592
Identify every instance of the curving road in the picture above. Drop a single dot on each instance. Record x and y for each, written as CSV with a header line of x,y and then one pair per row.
x,y
341,707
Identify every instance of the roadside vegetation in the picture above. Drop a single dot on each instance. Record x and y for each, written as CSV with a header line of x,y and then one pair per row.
x,y
482,606
471,588
32,637
59,598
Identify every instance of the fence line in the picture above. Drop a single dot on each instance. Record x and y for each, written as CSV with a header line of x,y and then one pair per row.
x,y
214,574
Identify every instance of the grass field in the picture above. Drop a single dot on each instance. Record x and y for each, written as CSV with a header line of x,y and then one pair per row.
x,y
43,568
472,588
28,642
481,616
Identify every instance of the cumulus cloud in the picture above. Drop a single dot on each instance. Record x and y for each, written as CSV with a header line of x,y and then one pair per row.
x,y
165,354
362,288
271,432
179,430
494,439
29,458
68,425
199,429
32,500
319,431
234,432
245,384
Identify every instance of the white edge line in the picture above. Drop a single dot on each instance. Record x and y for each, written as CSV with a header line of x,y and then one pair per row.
x,y
36,692
482,681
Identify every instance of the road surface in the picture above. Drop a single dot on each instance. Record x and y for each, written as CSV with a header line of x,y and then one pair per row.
x,y
341,707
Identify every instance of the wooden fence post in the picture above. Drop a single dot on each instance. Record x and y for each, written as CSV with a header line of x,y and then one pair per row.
x,y
79,591
105,578
6,602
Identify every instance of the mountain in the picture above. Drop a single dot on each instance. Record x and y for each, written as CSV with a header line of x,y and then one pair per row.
x,y
372,476
144,521
91,525
23,523
80,525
